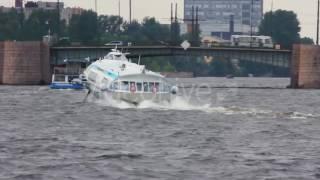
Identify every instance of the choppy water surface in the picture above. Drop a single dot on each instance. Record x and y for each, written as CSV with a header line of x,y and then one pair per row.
x,y
209,132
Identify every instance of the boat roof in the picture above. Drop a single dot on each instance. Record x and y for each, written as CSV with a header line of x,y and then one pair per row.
x,y
116,65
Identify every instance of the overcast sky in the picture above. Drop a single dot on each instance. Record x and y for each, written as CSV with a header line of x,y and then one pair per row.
x,y
306,9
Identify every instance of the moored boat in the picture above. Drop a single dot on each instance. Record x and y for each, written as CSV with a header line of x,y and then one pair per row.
x,y
62,81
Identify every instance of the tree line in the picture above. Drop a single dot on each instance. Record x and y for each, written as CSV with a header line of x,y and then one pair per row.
x,y
284,28
86,28
90,29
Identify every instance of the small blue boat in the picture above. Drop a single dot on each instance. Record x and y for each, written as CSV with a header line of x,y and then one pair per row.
x,y
65,86
66,82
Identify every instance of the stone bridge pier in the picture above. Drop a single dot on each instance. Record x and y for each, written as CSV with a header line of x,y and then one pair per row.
x,y
305,67
24,63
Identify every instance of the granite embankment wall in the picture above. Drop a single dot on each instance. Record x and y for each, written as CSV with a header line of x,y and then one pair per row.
x,y
24,63
305,67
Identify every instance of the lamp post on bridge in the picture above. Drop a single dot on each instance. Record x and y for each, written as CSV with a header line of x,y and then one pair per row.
x,y
130,11
96,6
251,25
58,18
318,22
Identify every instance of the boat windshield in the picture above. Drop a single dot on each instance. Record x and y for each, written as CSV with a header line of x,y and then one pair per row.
x,y
124,86
116,56
63,78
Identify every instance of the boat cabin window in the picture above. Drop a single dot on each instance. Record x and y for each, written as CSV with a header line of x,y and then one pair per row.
x,y
117,57
145,87
124,85
139,86
153,87
115,86
236,39
59,78
268,41
157,86
72,77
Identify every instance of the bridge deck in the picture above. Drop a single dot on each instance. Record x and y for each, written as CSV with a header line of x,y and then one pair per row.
x,y
273,57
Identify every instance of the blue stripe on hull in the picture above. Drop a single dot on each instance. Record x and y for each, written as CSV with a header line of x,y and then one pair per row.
x,y
66,86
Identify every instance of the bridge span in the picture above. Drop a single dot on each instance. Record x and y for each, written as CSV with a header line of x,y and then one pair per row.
x,y
274,57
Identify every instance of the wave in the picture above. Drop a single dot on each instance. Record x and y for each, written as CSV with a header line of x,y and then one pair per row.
x,y
119,156
180,103
297,115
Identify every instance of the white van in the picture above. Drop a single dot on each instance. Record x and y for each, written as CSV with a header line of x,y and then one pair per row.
x,y
115,43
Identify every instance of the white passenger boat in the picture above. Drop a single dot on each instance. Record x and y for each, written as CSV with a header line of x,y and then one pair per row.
x,y
117,77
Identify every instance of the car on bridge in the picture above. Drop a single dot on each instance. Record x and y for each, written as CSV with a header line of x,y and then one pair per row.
x,y
114,43
118,43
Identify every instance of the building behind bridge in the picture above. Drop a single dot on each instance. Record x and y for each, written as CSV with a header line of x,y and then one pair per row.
x,y
215,16
66,13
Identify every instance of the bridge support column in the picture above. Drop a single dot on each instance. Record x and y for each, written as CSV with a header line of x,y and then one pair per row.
x,y
1,60
24,63
305,66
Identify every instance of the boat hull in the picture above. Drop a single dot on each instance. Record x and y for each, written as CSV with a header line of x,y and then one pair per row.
x,y
134,98
137,98
66,86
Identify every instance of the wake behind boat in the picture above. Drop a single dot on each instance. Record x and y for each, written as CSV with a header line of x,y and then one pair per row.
x,y
117,77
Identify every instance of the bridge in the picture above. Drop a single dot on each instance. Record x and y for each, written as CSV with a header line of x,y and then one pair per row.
x,y
28,63
274,57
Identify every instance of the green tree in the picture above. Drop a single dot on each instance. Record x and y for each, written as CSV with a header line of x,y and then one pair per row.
x,y
10,25
155,32
14,26
175,34
149,32
40,23
110,24
110,28
283,26
221,67
306,40
193,38
133,33
84,27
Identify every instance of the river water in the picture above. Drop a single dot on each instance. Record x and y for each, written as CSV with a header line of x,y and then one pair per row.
x,y
213,130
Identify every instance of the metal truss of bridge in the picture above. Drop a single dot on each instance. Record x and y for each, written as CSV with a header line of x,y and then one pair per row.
x,y
279,58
